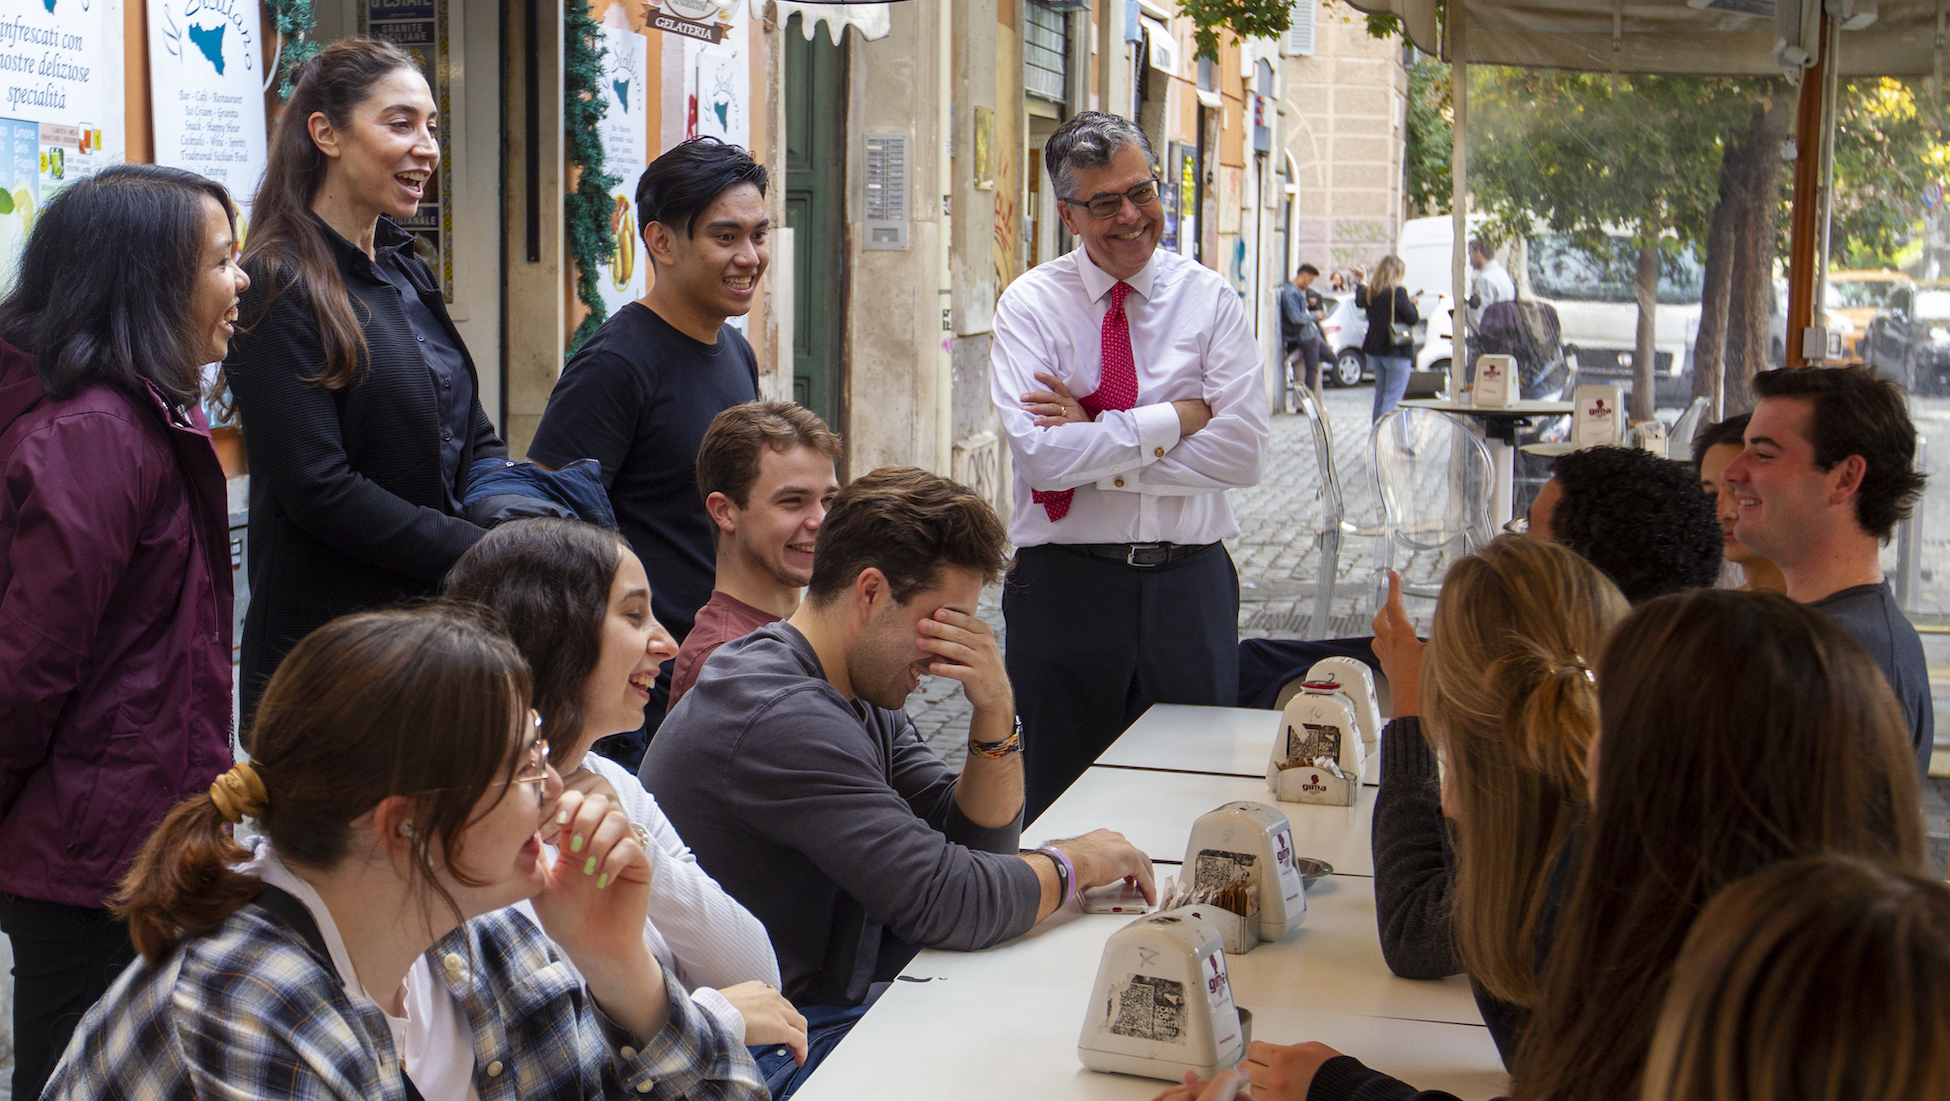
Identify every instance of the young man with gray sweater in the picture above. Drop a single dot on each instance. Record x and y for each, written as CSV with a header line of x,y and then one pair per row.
x,y
802,787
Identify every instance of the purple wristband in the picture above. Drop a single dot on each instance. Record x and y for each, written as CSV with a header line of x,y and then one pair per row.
x,y
1069,870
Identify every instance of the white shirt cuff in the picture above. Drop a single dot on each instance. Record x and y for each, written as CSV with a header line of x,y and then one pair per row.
x,y
721,1010
1157,427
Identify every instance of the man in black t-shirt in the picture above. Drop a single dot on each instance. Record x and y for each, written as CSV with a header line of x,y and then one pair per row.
x,y
1829,469
638,396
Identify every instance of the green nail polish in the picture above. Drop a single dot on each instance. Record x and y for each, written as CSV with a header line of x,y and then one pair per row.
x,y
602,881
589,866
562,819
575,844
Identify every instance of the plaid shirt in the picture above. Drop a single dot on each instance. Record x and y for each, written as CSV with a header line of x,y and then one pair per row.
x,y
250,1012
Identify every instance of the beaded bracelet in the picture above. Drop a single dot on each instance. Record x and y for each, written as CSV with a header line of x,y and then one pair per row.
x,y
1066,872
1001,749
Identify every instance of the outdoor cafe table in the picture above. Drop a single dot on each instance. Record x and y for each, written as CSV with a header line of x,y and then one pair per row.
x,y
1500,426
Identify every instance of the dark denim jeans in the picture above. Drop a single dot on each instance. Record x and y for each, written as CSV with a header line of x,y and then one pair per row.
x,y
826,1026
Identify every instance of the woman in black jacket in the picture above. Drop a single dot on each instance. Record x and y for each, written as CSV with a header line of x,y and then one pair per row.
x,y
1387,305
360,404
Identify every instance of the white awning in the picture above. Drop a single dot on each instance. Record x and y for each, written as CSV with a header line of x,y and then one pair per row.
x,y
1729,37
872,20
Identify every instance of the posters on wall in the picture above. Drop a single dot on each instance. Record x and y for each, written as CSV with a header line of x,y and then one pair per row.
x,y
61,114
625,135
421,27
206,90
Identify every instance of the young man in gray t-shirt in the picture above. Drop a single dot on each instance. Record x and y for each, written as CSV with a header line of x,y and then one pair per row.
x,y
1828,470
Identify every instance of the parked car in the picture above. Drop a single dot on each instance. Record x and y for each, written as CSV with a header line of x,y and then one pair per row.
x,y
1854,299
1908,341
1593,290
1344,327
1596,296
1852,303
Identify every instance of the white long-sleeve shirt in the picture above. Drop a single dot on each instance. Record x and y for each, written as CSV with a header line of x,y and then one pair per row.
x,y
699,932
1136,480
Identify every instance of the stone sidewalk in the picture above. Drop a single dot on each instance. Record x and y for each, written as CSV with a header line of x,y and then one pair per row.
x,y
1274,552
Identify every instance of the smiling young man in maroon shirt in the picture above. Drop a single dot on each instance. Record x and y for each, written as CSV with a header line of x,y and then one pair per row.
x,y
766,473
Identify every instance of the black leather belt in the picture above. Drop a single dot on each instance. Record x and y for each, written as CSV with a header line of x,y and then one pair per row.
x,y
1139,554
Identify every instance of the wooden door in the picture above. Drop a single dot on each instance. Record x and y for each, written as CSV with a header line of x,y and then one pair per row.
x,y
815,112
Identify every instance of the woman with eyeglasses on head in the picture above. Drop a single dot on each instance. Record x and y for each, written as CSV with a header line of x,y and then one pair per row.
x,y
1815,980
371,946
115,594
576,602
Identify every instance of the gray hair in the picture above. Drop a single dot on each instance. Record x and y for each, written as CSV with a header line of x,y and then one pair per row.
x,y
1090,140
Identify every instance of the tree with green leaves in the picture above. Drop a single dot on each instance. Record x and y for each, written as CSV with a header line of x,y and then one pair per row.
x,y
1581,156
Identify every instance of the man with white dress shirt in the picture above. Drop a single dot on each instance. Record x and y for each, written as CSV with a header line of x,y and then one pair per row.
x,y
1128,383
1492,282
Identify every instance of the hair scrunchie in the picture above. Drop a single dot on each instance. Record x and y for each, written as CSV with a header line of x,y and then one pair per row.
x,y
239,793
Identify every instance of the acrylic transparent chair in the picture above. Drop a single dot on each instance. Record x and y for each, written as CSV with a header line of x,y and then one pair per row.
x,y
1334,524
1679,445
1433,477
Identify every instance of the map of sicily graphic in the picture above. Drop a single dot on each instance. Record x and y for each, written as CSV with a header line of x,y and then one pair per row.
x,y
210,41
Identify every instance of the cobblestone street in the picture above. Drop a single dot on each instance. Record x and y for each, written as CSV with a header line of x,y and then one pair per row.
x,y
1274,551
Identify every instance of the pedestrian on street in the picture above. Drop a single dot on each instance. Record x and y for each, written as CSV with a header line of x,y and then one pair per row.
x,y
639,395
1390,343
360,405
115,598
1122,594
1300,317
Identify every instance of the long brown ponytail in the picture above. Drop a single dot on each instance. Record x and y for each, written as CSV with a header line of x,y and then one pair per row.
x,y
286,250
368,706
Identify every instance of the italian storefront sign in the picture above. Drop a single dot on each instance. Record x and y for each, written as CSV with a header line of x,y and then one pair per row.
x,y
206,91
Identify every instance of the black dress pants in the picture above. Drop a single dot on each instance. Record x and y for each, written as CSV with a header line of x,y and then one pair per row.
x,y
65,957
1090,643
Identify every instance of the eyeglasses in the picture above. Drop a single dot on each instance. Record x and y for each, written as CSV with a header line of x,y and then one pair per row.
x,y
1107,206
534,763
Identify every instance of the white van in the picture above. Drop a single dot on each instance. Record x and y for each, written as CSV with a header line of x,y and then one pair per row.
x,y
1593,291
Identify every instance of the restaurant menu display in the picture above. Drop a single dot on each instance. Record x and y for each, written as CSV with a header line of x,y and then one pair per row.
x,y
625,135
206,92
61,114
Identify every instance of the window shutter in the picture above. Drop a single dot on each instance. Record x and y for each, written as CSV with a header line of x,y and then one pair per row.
x,y
1300,31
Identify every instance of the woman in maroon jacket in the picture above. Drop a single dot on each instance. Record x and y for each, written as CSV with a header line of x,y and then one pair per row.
x,y
115,598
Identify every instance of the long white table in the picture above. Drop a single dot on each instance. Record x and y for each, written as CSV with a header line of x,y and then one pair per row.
x,y
1005,1022
976,1040
1155,811
1221,741
1332,962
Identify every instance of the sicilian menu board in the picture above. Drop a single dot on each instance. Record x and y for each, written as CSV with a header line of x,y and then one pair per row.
x,y
206,91
61,114
421,27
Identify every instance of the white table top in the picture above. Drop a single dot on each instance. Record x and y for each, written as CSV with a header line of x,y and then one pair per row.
x,y
1514,409
1220,741
1155,812
1332,962
951,1039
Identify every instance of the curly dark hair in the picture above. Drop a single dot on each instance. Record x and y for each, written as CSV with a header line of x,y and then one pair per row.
x,y
1856,413
1638,517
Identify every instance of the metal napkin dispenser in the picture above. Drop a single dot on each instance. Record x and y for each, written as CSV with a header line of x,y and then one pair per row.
x,y
1254,842
1162,1004
1357,684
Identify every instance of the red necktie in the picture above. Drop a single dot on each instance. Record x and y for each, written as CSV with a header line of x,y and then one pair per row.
x,y
1116,387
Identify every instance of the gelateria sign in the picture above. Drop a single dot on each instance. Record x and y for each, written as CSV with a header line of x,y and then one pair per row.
x,y
690,18
206,85
61,116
